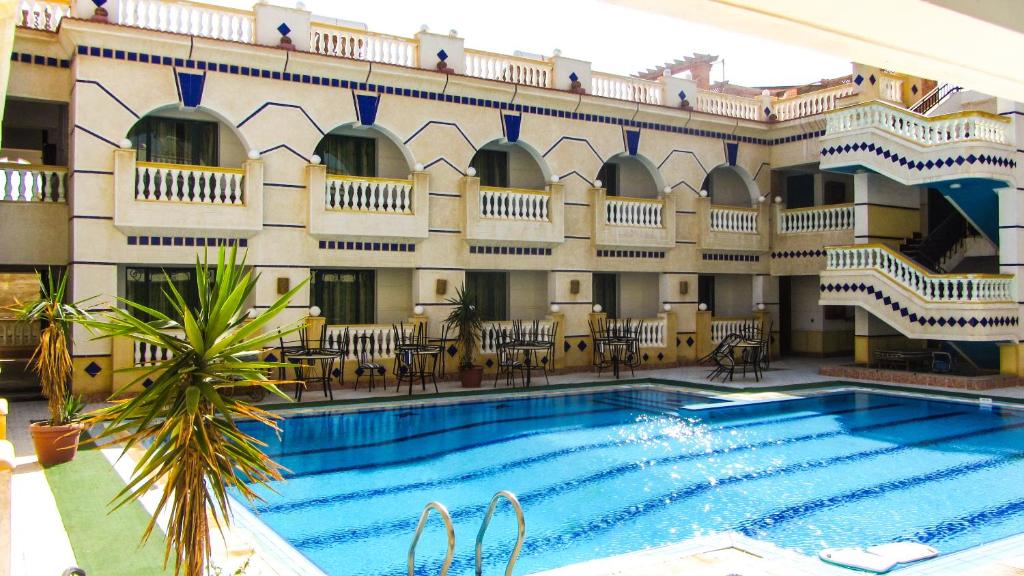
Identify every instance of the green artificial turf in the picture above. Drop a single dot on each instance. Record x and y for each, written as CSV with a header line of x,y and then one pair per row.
x,y
105,543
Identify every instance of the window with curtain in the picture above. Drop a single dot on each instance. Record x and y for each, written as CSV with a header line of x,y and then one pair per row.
x,y
489,291
606,293
348,155
149,287
176,141
345,296
491,167
706,291
609,177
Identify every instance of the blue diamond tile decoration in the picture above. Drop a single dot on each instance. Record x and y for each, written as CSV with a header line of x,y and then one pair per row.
x,y
93,369
573,76
872,79
858,80
442,55
913,88
284,29
682,94
767,111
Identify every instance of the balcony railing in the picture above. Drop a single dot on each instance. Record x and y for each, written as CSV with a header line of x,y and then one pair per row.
x,y
363,194
816,219
722,327
494,333
890,88
146,354
811,103
928,286
189,184
625,88
362,45
636,212
734,219
17,334
33,183
190,18
728,105
921,130
515,204
41,15
512,69
652,331
377,339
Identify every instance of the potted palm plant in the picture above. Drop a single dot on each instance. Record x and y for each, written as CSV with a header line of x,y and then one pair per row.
x,y
184,421
56,439
465,318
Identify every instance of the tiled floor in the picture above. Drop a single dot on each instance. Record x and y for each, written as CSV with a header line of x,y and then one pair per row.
x,y
41,546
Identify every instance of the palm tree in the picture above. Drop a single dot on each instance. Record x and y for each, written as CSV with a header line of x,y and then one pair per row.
x,y
185,420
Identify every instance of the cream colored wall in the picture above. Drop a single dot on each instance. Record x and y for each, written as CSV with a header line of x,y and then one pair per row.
x,y
523,170
635,179
733,295
394,295
729,188
528,295
639,295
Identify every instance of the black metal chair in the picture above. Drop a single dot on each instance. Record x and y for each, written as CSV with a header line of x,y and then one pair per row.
x,y
598,336
367,364
339,344
634,359
508,360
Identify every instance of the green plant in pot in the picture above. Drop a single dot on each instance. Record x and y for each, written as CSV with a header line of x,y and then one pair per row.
x,y
465,318
184,421
55,440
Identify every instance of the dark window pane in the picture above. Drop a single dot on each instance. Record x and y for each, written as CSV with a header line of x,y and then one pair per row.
x,y
176,141
150,286
348,155
609,177
345,296
706,291
606,293
835,193
489,291
491,167
800,191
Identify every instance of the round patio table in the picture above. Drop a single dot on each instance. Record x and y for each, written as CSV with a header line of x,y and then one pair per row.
x,y
311,359
618,347
529,351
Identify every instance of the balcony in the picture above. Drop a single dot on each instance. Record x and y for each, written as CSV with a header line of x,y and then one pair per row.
x,y
916,302
801,233
914,149
735,228
184,199
41,14
513,215
34,211
364,208
634,222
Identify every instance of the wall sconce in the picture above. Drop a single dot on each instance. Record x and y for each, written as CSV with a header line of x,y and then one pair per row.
x,y
684,287
574,286
441,287
284,284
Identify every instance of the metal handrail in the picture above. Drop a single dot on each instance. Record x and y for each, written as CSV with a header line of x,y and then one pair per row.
x,y
419,530
520,520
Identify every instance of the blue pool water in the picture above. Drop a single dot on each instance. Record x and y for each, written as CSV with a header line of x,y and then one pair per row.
x,y
613,472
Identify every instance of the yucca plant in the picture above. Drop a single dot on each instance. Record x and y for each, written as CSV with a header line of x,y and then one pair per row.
x,y
184,421
52,356
466,318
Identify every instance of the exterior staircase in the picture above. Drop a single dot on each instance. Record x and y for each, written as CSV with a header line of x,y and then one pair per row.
x,y
942,246
934,97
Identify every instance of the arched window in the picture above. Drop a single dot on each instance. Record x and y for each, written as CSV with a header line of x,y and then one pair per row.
x,y
624,175
350,151
726,185
191,137
508,166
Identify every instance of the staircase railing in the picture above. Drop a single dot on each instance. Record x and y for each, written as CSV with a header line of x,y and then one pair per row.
x,y
925,284
934,247
934,97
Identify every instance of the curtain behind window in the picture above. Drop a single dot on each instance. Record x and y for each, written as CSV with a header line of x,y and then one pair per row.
x,y
345,296
491,167
490,294
147,286
348,155
176,141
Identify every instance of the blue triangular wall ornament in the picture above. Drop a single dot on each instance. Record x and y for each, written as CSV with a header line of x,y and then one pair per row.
x,y
366,108
732,150
510,124
190,88
631,138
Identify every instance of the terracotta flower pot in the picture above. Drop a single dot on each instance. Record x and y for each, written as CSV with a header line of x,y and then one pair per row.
x,y
471,377
55,444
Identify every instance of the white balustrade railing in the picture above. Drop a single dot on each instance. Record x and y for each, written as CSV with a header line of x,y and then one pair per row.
x,y
722,327
890,88
33,183
811,103
728,105
652,330
636,212
378,195
15,333
624,88
817,219
515,70
514,204
144,353
377,340
189,18
494,333
190,184
733,219
928,286
41,15
922,130
362,45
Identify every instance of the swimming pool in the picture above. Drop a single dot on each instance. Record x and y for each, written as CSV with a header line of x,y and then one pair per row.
x,y
605,473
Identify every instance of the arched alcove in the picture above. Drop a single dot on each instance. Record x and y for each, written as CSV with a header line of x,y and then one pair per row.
x,y
731,186
510,165
197,137
372,151
630,176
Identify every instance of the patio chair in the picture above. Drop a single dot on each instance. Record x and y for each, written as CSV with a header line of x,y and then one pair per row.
x,y
338,344
367,364
725,362
296,345
634,359
727,342
508,361
598,336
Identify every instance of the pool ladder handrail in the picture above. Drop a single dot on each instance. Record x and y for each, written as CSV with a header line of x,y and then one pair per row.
x,y
520,520
443,512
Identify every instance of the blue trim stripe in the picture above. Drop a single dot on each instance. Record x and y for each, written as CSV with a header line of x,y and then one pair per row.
x,y
95,135
574,139
108,93
265,105
677,151
441,123
284,147
445,160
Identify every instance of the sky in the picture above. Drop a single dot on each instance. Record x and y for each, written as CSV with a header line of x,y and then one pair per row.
x,y
614,39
